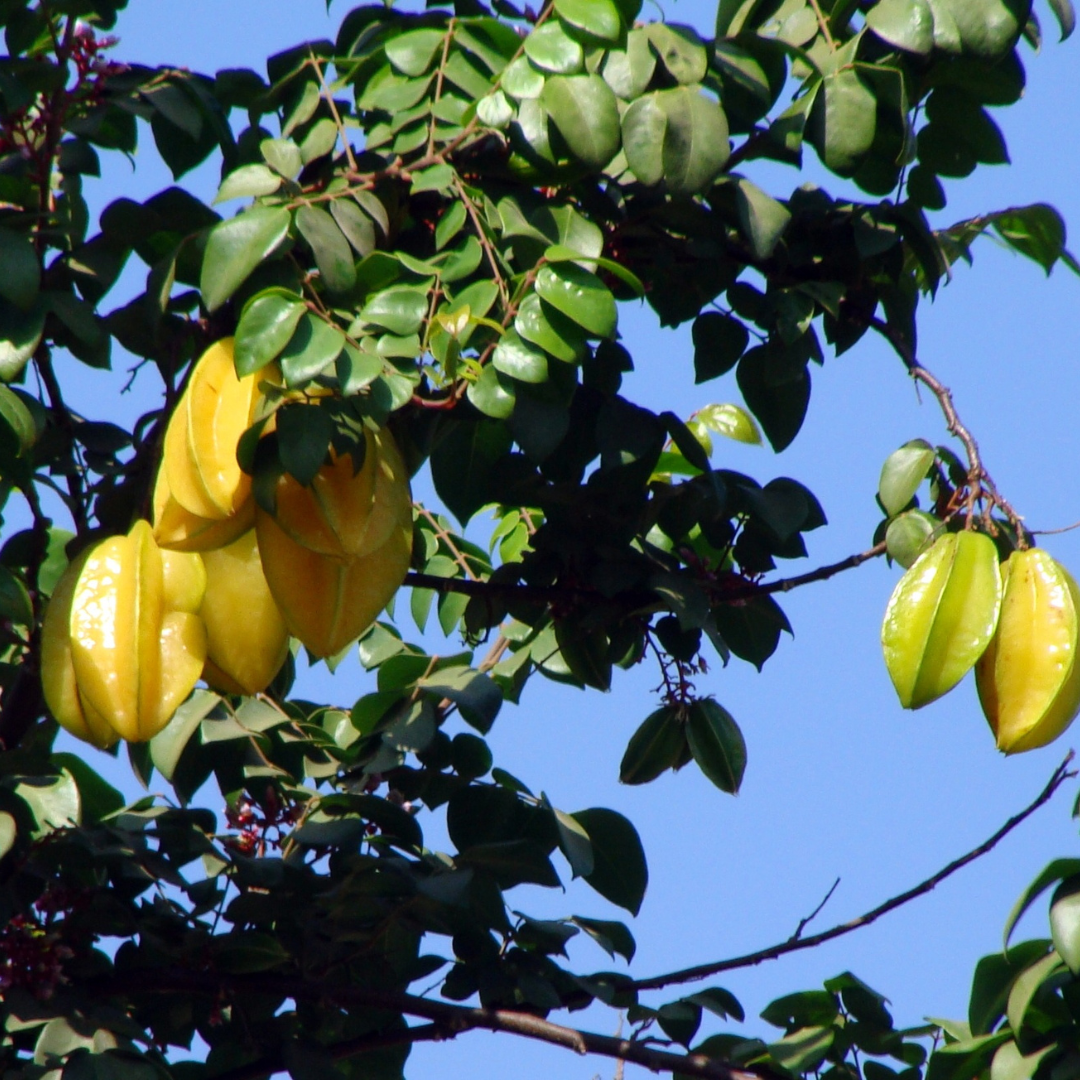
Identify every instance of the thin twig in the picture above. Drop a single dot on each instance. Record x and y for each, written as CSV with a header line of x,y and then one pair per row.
x,y
979,480
824,24
704,971
445,537
333,111
439,82
485,243
808,919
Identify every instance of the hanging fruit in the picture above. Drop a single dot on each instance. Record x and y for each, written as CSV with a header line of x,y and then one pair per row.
x,y
122,645
1028,678
941,617
246,636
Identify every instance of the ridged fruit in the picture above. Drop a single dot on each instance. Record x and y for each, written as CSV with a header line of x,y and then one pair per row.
x,y
122,645
941,617
1028,678
329,602
246,636
200,480
346,512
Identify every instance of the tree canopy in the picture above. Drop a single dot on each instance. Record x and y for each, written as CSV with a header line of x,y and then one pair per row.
x,y
414,267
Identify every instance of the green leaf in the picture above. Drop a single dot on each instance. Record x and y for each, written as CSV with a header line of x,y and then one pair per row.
x,y
21,279
246,952
303,433
580,295
18,432
54,801
493,394
620,873
99,798
550,47
267,322
463,462
358,228
477,695
399,309
719,341
333,255
8,832
903,473
412,52
548,328
1026,986
314,346
730,421
283,156
910,534
1037,231
1058,870
1065,922
719,1002
598,19
516,357
843,121
907,24
612,937
658,744
1065,14
246,182
167,746
776,385
628,72
993,978
717,744
235,247
586,112
751,627
681,51
802,1050
574,843
1010,1064
20,333
763,218
677,136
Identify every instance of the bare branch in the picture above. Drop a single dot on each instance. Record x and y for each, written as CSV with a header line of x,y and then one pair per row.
x,y
806,920
793,944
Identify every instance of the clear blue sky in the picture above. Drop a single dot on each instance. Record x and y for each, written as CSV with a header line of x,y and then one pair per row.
x,y
841,781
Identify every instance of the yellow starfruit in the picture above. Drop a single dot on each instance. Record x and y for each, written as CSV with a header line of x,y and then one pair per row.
x,y
200,481
1028,679
122,645
328,602
246,636
346,513
941,617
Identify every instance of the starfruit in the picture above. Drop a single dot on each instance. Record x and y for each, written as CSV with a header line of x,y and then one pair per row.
x,y
941,617
200,481
347,512
1028,678
328,602
246,636
122,646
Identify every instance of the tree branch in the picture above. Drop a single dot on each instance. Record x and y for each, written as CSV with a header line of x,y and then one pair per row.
x,y
795,943
451,1019
979,480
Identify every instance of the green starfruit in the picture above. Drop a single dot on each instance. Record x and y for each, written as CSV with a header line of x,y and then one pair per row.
x,y
941,617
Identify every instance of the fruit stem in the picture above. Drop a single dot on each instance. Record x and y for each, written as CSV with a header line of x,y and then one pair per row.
x,y
980,483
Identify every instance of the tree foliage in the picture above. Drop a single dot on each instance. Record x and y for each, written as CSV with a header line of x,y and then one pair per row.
x,y
429,224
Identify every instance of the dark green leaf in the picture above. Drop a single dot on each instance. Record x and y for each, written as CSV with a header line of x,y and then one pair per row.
x,y
21,277
1065,922
580,295
333,256
717,744
620,873
586,113
751,627
907,24
399,309
681,51
550,47
314,346
235,247
266,325
612,937
776,385
658,744
719,341
598,19
304,433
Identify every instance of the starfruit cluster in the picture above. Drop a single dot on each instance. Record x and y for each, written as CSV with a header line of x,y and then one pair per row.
x,y
217,586
955,609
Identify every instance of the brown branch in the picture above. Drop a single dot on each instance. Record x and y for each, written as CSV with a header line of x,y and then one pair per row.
x,y
979,480
342,133
445,537
795,943
449,36
485,243
453,1019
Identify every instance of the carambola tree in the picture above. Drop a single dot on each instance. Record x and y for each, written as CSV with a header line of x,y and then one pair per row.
x,y
414,264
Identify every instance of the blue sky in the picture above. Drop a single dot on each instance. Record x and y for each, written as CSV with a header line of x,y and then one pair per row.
x,y
841,781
